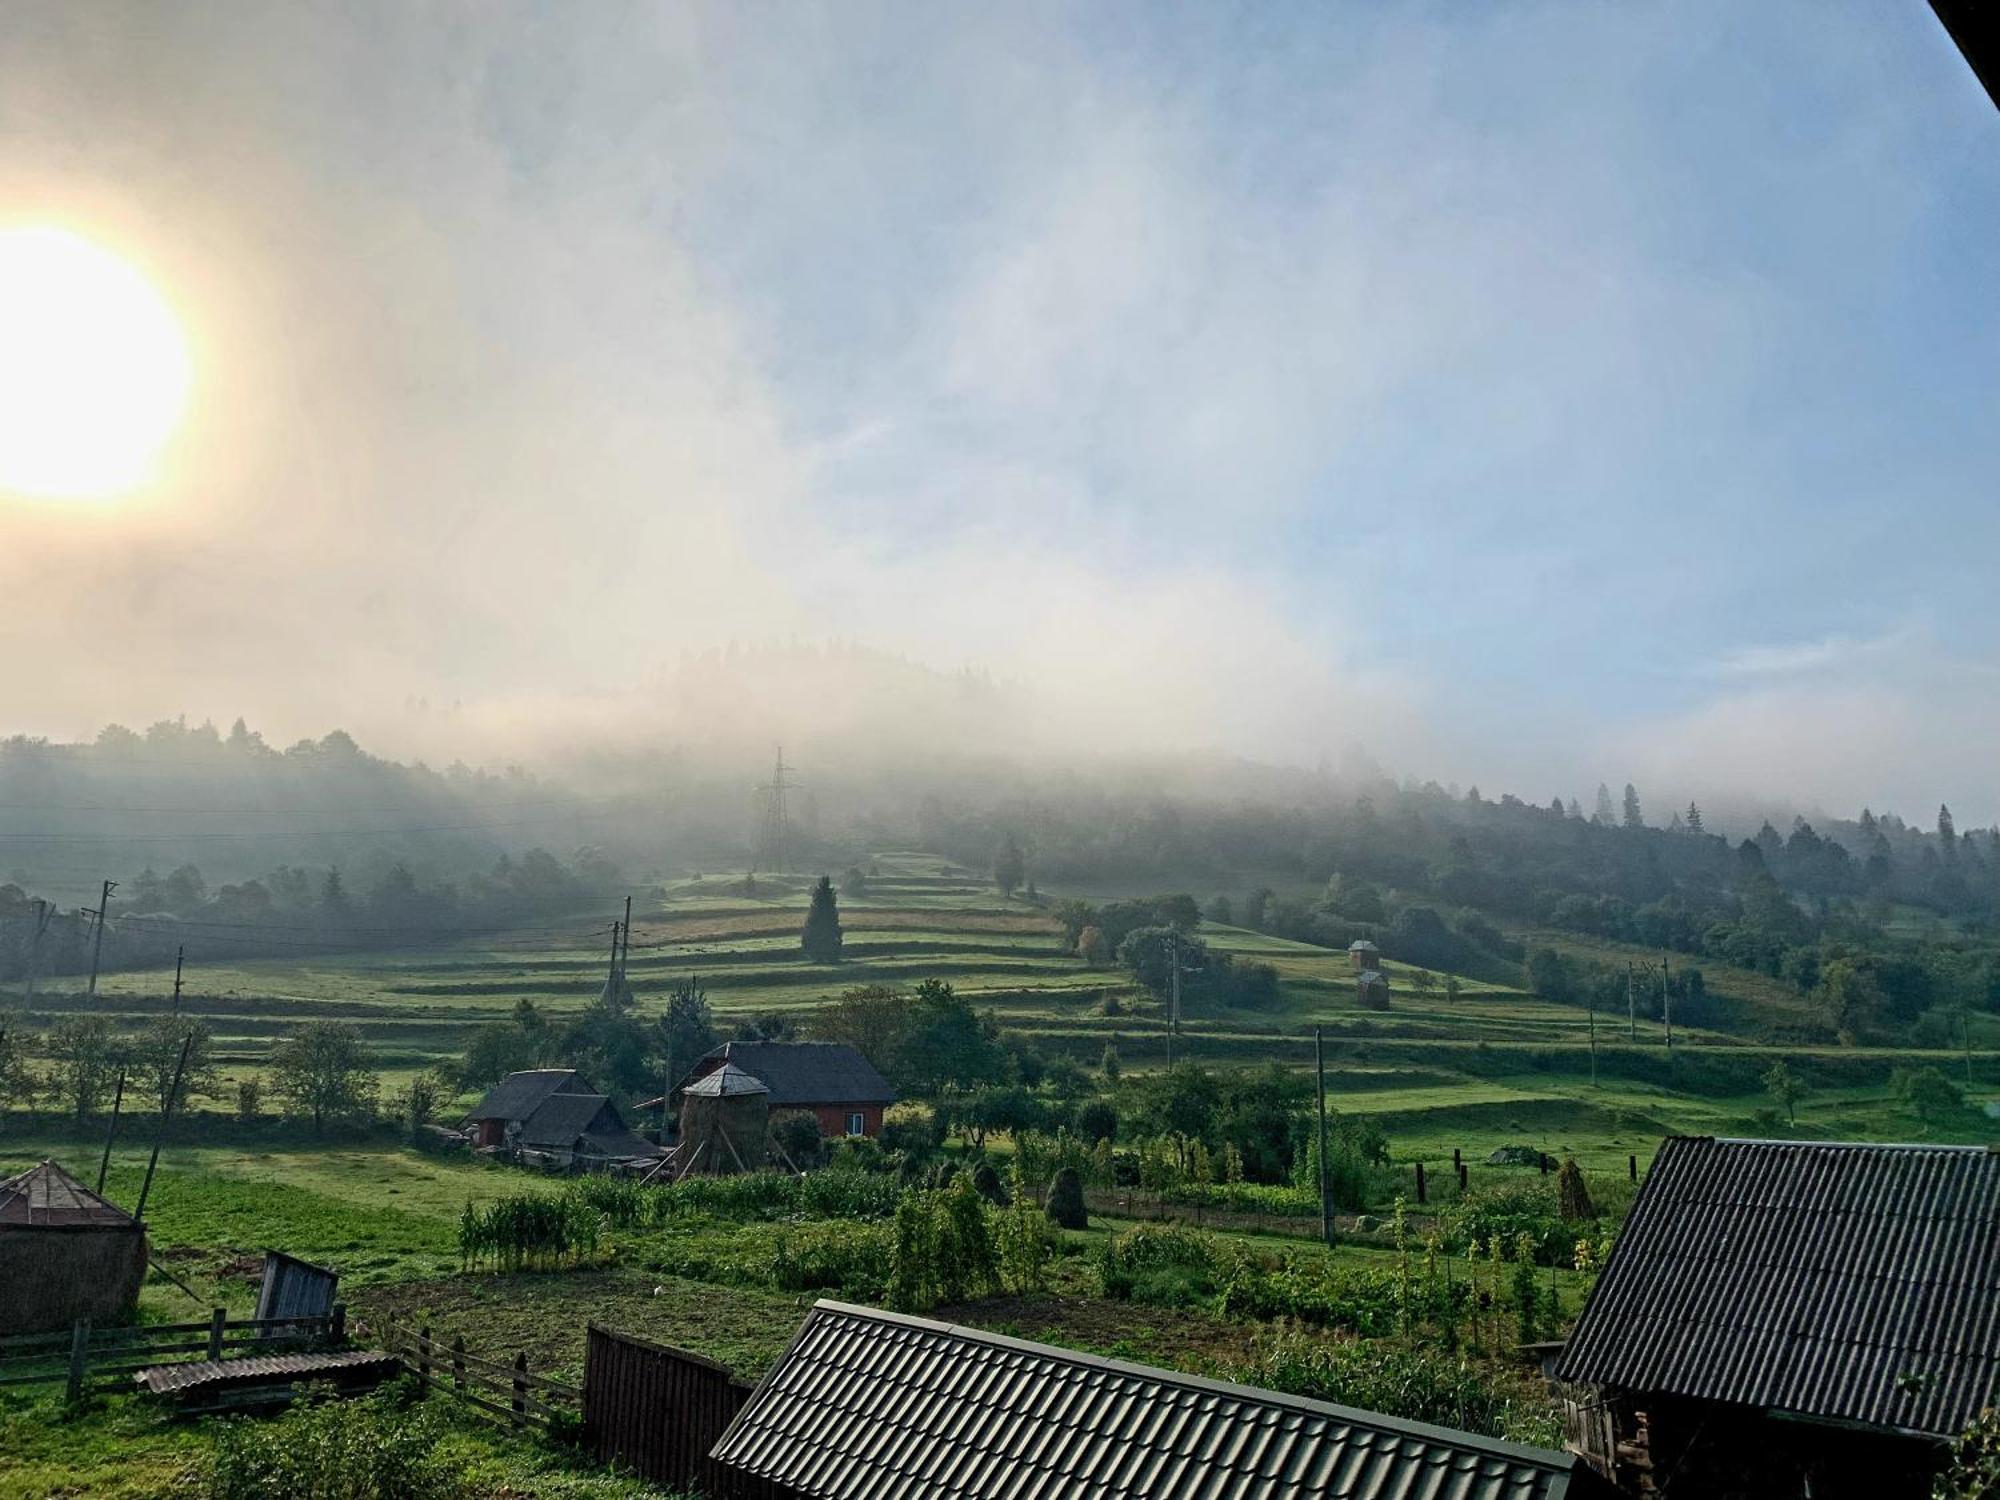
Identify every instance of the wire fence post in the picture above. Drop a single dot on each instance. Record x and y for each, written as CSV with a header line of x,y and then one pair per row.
x,y
424,1356
215,1322
520,1401
458,1362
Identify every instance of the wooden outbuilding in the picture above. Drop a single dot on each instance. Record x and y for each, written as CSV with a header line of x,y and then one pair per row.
x,y
1783,1319
1364,955
65,1253
1371,989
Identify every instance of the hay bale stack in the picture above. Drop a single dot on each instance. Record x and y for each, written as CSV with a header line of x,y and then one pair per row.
x,y
65,1253
725,1119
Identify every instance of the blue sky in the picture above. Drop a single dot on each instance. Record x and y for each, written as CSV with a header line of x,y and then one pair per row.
x,y
1534,393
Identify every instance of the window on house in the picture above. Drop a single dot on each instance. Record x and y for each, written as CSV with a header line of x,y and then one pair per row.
x,y
857,1124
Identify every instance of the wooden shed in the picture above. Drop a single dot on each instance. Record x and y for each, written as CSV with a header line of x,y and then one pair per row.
x,y
725,1116
1371,989
65,1254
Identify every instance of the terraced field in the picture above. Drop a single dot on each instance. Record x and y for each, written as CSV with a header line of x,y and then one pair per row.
x,y
1491,1065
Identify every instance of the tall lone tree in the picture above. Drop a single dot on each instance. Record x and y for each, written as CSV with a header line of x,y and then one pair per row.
x,y
1694,819
1633,819
321,1073
1603,814
820,937
1009,867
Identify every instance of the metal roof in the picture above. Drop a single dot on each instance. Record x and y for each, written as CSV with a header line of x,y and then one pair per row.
x,y
1852,1283
561,1118
805,1072
46,1196
518,1095
876,1404
261,1369
727,1081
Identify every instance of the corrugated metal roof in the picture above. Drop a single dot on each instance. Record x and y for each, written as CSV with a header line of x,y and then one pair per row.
x,y
875,1404
219,1374
1854,1283
561,1118
294,1288
517,1096
727,1081
803,1072
47,1196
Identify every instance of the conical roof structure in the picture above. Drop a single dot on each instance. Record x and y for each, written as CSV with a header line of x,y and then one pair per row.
x,y
48,1196
726,1082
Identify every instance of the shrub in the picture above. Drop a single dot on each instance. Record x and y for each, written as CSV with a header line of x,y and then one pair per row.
x,y
249,1100
1065,1206
838,1257
326,1449
796,1138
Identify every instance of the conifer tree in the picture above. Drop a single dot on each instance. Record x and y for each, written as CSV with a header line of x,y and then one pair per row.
x,y
821,936
1633,819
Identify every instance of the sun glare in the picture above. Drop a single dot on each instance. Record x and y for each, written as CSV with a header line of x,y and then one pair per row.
x,y
94,369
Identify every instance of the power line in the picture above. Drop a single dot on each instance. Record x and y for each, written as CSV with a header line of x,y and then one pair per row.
x,y
48,836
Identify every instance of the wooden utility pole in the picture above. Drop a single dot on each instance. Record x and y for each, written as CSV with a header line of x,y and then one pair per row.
x,y
97,943
625,948
1965,1038
166,1114
1667,1007
1593,1040
612,998
1325,1203
43,913
1631,1003
110,1135
180,954
1174,990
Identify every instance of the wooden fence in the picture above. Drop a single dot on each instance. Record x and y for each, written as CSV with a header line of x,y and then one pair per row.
x,y
657,1411
105,1358
505,1390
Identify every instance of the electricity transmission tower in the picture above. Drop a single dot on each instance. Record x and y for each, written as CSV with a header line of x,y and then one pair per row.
x,y
774,835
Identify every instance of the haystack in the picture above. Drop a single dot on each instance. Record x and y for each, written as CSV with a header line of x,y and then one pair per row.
x,y
65,1253
725,1116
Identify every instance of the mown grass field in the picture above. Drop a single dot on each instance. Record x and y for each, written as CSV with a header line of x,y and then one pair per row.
x,y
1489,1066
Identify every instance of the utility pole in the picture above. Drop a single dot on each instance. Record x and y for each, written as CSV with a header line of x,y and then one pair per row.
x,y
1667,1008
1325,1204
1965,1038
1174,989
110,1135
1631,1003
1593,1040
613,998
180,953
97,944
43,913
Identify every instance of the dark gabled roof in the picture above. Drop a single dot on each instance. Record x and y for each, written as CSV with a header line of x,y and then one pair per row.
x,y
518,1095
46,1196
899,1408
562,1118
1851,1283
808,1072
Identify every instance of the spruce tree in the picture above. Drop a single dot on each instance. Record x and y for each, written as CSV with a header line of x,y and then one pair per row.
x,y
1694,819
1633,818
821,936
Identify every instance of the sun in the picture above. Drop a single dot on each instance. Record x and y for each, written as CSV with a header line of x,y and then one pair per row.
x,y
94,369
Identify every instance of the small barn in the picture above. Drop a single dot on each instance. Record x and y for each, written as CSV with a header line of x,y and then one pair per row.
x,y
576,1130
725,1115
1788,1319
1371,989
830,1080
65,1254
875,1403
510,1102
1364,955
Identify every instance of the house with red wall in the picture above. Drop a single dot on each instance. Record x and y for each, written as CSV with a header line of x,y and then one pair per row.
x,y
830,1079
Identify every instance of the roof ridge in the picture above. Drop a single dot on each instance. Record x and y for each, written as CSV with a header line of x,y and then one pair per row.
x,y
1160,1375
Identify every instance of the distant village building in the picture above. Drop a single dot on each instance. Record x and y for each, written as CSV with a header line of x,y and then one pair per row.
x,y
875,1403
1371,988
829,1080
1364,955
65,1254
1785,1319
553,1117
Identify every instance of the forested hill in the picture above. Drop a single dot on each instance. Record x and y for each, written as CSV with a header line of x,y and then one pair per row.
x,y
1887,930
